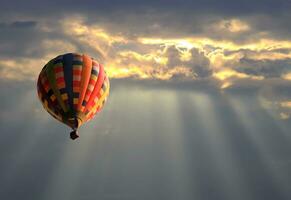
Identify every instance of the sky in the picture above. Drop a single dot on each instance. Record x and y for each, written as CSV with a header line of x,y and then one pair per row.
x,y
199,107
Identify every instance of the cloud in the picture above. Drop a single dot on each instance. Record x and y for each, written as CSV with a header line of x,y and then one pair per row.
x,y
18,38
286,76
18,24
266,68
230,50
188,58
233,26
277,100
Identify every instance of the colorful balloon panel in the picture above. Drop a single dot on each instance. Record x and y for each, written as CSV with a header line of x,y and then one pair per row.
x,y
73,88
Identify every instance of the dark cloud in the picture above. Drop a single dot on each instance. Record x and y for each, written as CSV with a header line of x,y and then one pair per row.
x,y
248,53
16,37
197,62
271,25
36,39
18,24
266,68
22,39
165,18
246,6
173,56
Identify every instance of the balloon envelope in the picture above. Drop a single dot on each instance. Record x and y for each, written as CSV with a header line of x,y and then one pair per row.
x,y
73,88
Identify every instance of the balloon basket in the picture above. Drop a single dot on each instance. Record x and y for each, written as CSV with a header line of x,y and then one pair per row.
x,y
74,135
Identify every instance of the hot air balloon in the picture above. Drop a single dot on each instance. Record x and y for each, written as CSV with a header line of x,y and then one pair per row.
x,y
73,88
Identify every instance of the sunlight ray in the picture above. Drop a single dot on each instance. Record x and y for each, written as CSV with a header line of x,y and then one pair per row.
x,y
258,135
29,135
281,123
229,171
67,171
166,108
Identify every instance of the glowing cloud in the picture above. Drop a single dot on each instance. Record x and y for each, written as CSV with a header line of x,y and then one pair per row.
x,y
192,57
232,25
287,76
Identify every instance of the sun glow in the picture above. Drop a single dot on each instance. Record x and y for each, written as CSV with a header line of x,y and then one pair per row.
x,y
287,76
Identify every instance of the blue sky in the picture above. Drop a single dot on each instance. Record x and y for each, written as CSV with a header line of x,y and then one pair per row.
x,y
199,108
